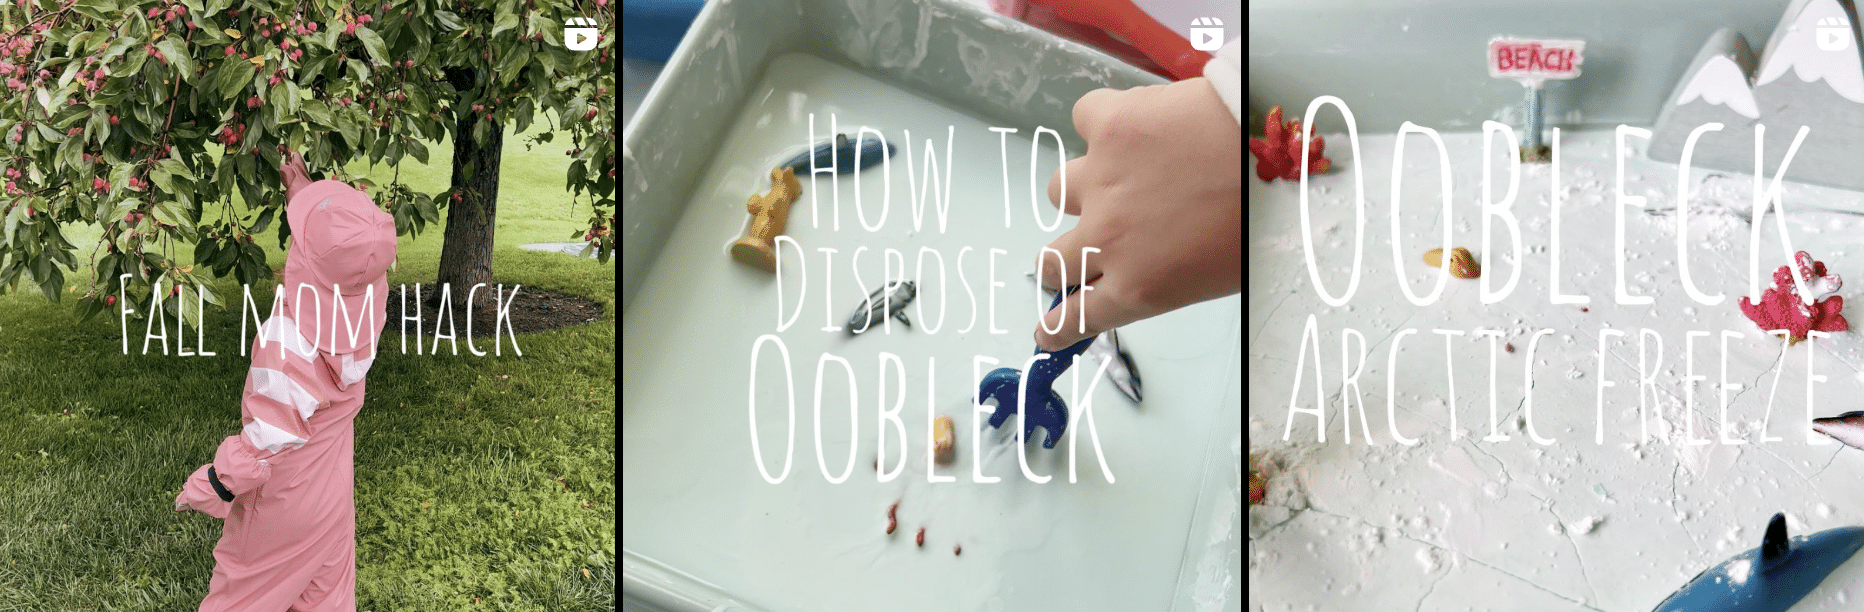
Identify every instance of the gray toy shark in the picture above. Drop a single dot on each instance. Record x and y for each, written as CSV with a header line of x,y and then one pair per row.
x,y
1847,428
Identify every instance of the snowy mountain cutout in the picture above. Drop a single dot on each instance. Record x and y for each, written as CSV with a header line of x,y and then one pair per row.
x,y
1818,43
1721,82
1799,51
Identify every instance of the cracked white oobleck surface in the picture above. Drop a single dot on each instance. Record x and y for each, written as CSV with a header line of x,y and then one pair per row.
x,y
1458,523
693,497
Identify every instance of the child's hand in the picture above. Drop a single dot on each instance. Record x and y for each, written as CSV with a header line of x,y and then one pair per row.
x,y
1160,193
296,176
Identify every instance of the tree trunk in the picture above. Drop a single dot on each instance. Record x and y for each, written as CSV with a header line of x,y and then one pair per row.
x,y
466,255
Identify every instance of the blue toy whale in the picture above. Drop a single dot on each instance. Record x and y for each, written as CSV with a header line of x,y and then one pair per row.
x,y
839,154
1771,578
1046,408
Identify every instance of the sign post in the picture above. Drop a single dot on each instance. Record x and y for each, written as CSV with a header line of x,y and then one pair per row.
x,y
1532,61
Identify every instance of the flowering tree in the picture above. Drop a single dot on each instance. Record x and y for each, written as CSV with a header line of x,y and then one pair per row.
x,y
141,116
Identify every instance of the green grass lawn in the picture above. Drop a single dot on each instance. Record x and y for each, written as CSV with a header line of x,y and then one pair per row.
x,y
482,483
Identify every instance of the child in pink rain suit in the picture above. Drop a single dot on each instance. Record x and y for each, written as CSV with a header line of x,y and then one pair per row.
x,y
286,483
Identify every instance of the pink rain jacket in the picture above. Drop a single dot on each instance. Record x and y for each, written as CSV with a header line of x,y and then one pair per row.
x,y
290,533
286,483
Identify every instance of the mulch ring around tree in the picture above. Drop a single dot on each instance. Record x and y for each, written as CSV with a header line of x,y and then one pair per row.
x,y
533,310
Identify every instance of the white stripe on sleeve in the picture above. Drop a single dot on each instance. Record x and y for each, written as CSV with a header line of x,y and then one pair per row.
x,y
354,369
270,438
277,386
281,327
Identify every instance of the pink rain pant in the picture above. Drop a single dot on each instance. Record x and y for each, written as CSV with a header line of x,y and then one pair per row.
x,y
289,542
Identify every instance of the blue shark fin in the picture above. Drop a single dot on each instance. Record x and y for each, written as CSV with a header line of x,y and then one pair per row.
x,y
1775,546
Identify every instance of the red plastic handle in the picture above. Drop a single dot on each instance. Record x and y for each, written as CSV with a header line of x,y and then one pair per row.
x,y
1123,18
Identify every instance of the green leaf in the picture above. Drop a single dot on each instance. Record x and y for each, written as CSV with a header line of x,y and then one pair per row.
x,y
256,132
540,23
358,70
58,241
71,153
97,122
425,206
119,177
205,250
133,65
318,113
549,60
512,64
225,257
314,68
523,114
54,285
103,10
417,101
164,214
243,163
506,19
13,218
352,133
123,43
265,221
175,166
379,148
106,271
231,77
76,44
373,43
122,208
578,170
71,69
271,158
417,149
192,316
448,20
162,179
281,98
175,52
45,99
95,44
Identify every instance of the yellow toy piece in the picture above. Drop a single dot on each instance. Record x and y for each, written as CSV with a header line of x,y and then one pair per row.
x,y
769,213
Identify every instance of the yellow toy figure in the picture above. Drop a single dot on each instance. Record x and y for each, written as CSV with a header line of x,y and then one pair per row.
x,y
769,213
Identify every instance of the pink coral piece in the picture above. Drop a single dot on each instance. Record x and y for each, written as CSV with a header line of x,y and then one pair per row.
x,y
1277,151
1781,308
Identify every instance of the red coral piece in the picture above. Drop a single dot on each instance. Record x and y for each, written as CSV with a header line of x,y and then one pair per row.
x,y
1281,146
1781,307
